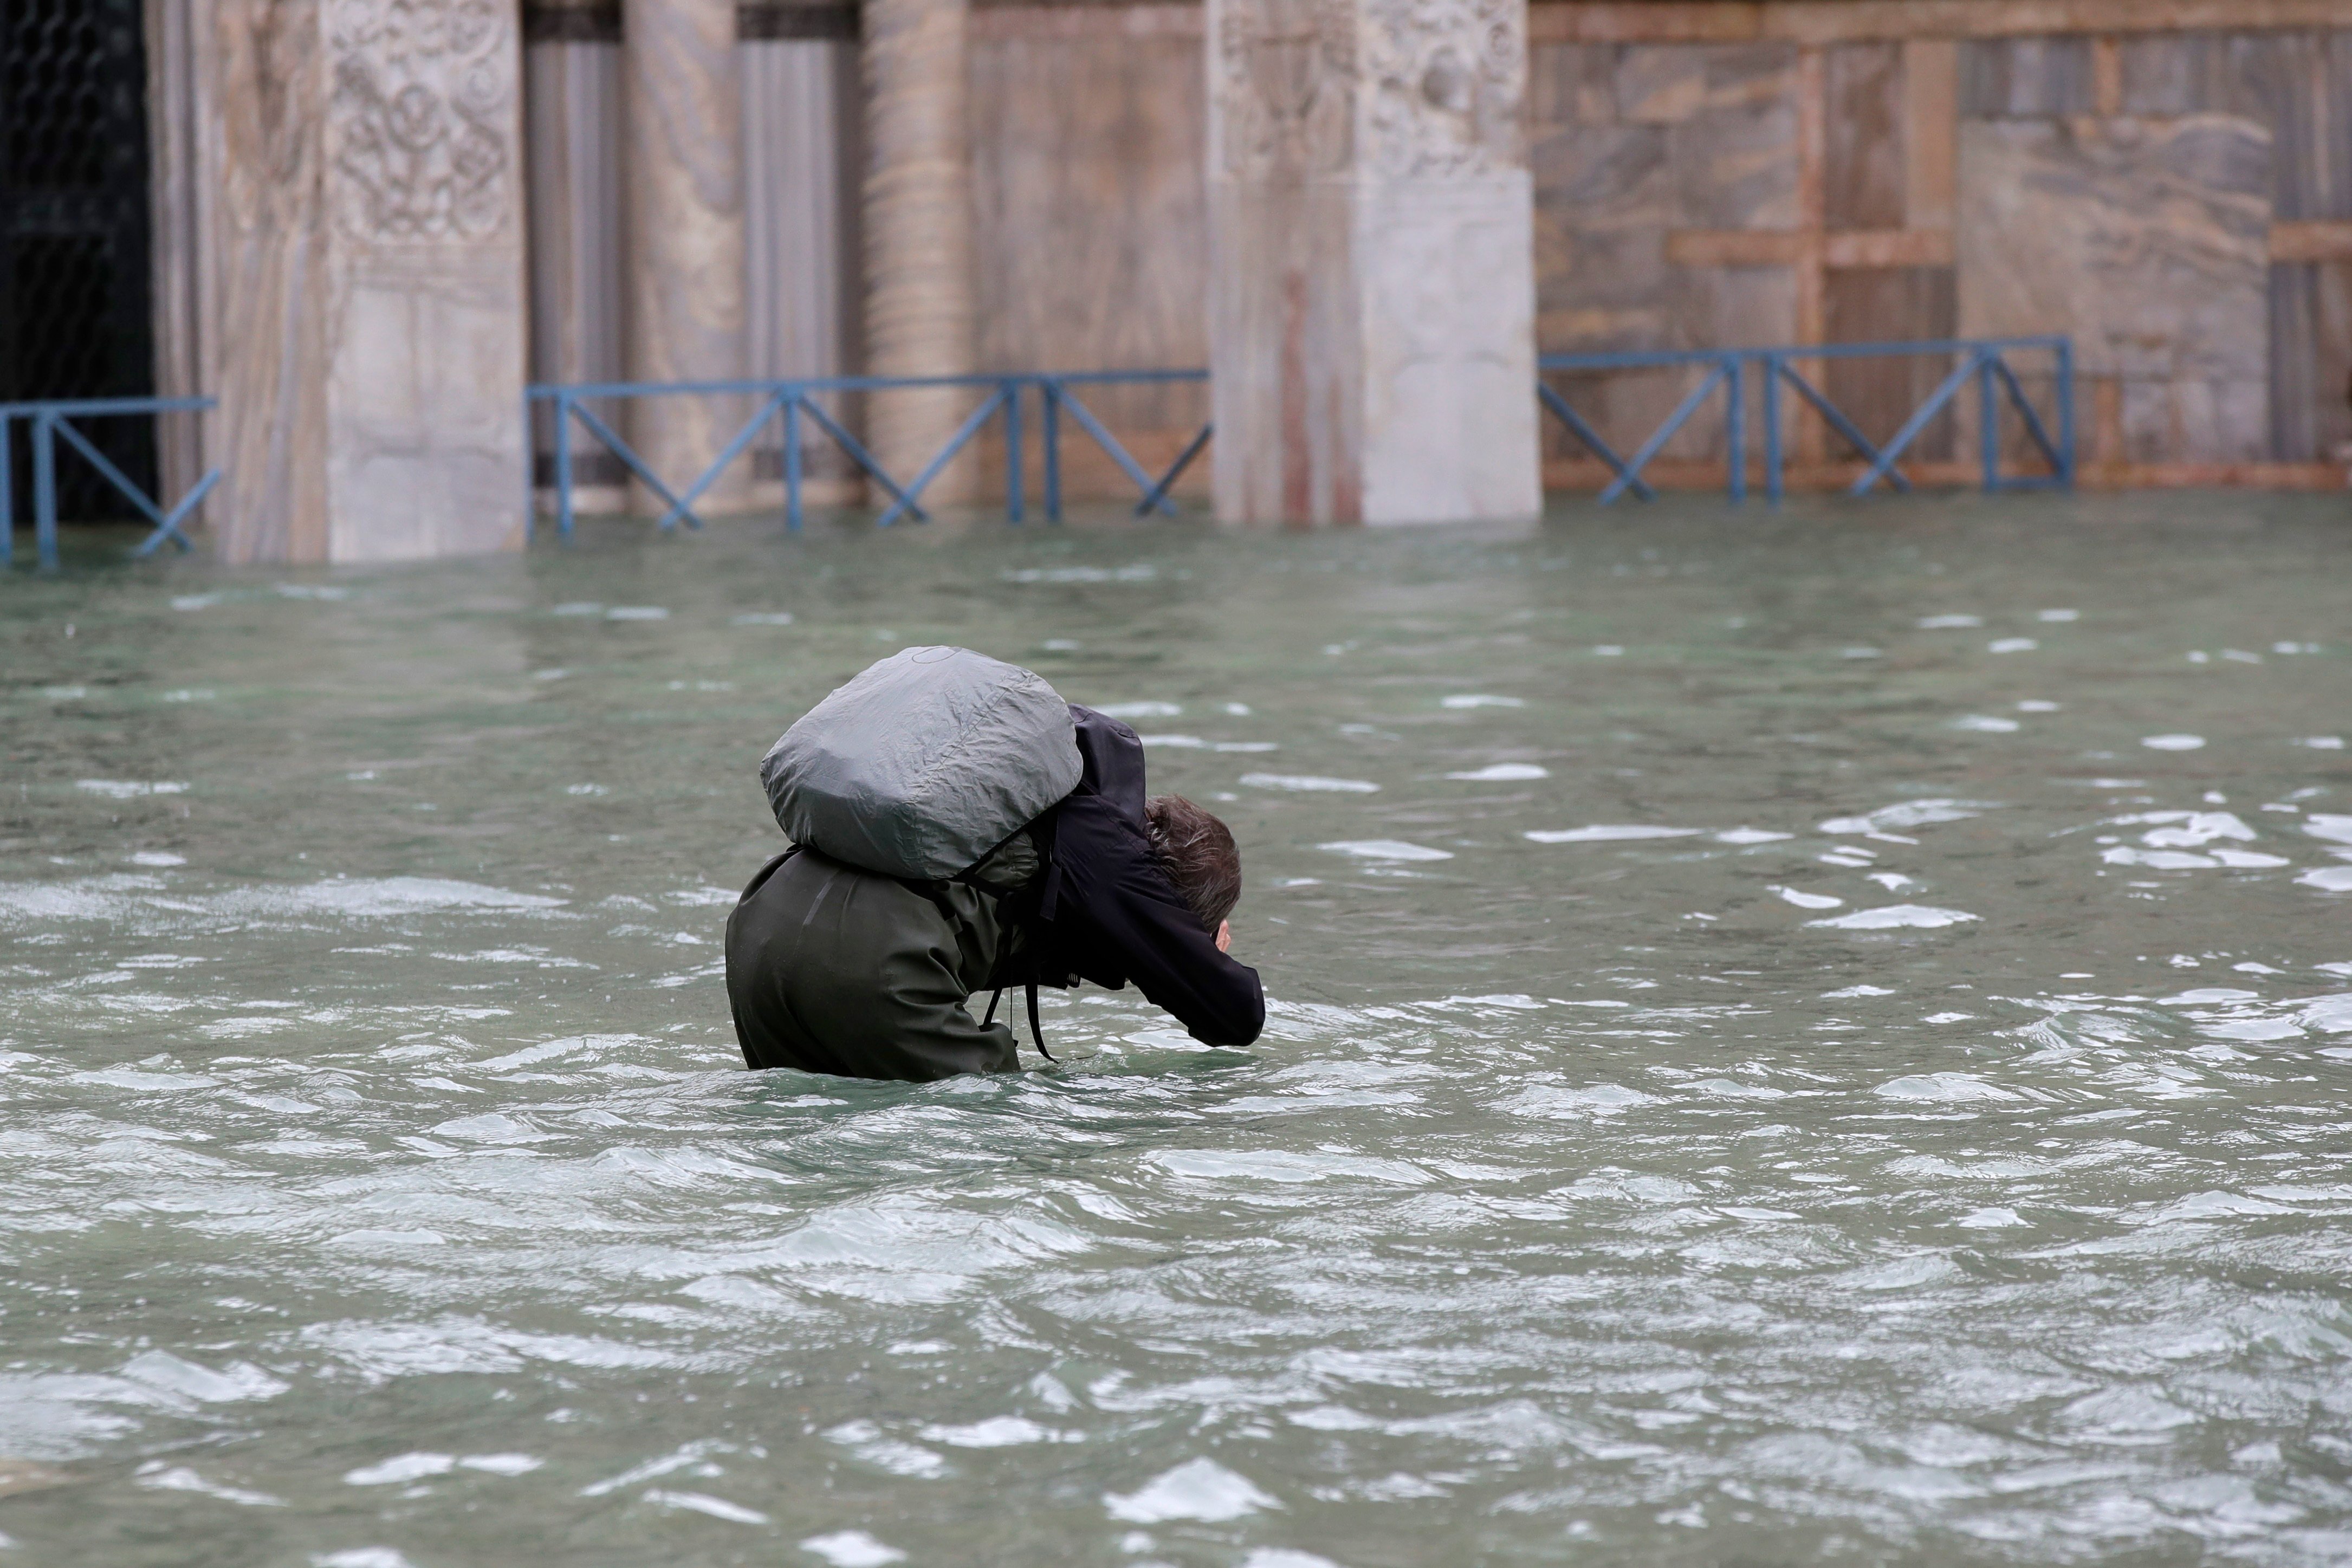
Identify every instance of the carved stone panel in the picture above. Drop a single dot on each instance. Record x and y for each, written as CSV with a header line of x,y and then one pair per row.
x,y
418,121
1447,79
1284,85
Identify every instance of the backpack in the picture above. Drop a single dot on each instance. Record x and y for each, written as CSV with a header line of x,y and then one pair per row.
x,y
934,765
920,767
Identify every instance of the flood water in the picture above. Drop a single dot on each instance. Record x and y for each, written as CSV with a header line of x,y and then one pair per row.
x,y
1823,1037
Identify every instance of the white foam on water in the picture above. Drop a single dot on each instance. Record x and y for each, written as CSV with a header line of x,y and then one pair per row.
x,y
361,1557
636,613
1897,917
852,1549
1908,814
1503,773
1309,783
1140,571
2173,742
704,1503
1175,743
1289,1557
2058,615
2158,859
1751,836
2329,880
996,1431
2011,645
193,1380
1987,725
1246,746
1946,1087
1140,709
180,1479
1385,849
1607,832
129,789
2336,829
1481,699
1950,622
1808,901
158,858
2323,742
1609,650
401,1468
368,897
2037,705
1199,1490
1559,1103
501,1464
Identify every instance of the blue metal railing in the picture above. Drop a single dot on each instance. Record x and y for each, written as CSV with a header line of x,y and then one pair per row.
x,y
1984,360
53,420
796,403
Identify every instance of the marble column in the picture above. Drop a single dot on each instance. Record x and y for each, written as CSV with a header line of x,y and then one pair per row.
x,y
803,117
1371,272
573,88
360,165
684,163
918,293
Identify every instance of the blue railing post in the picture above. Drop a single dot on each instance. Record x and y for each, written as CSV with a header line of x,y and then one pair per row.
x,y
1053,434
564,466
1775,484
1988,420
793,462
1012,448
1735,425
2066,412
44,487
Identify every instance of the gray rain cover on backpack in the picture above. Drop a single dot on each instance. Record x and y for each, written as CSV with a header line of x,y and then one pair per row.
x,y
924,763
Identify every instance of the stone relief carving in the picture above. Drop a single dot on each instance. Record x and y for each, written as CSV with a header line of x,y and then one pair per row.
x,y
1288,85
1448,76
420,117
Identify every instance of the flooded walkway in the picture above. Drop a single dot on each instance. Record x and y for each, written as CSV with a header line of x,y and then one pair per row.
x,y
1822,1037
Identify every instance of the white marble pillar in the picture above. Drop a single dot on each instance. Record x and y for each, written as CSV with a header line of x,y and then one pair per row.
x,y
685,204
918,286
360,165
573,86
1372,269
803,118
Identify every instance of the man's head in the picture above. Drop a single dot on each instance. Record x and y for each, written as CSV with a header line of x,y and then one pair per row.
x,y
1197,852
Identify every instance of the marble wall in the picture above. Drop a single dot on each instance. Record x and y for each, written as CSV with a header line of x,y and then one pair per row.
x,y
2146,239
684,135
1371,275
363,166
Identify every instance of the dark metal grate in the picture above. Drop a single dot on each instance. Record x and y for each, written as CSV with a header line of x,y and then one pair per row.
x,y
74,297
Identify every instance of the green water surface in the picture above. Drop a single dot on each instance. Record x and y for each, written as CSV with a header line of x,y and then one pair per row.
x,y
1814,1038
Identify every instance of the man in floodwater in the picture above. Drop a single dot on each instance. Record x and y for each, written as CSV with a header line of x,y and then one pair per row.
x,y
835,968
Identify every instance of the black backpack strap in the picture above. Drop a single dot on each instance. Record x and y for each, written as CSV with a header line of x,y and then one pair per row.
x,y
1036,1033
992,1000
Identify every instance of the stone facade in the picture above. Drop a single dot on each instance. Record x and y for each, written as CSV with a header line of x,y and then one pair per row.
x,y
1372,291
1328,198
362,162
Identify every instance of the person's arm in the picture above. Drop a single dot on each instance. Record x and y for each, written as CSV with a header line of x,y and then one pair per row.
x,y
1114,889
